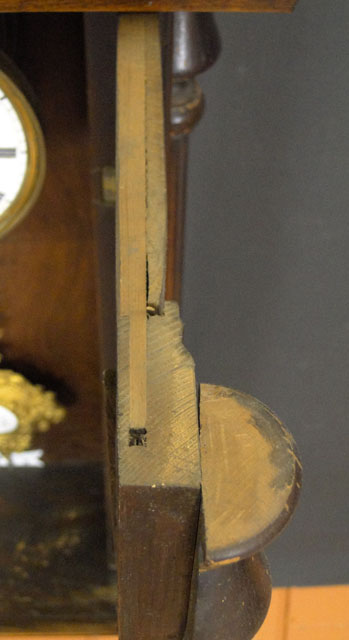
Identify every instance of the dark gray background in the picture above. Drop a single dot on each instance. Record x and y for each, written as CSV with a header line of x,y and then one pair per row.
x,y
265,299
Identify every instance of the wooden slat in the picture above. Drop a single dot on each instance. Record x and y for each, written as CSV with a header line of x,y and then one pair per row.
x,y
158,471
282,6
156,201
131,211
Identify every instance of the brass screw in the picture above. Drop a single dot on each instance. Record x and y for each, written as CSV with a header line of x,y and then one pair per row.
x,y
151,310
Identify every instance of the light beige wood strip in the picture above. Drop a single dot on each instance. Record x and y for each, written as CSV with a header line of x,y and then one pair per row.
x,y
155,167
131,207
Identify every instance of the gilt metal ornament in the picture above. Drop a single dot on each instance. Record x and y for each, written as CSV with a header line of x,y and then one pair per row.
x,y
25,409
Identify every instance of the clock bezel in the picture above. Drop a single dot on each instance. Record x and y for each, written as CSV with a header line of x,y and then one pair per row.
x,y
36,166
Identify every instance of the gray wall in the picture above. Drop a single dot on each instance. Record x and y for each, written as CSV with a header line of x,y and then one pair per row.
x,y
267,263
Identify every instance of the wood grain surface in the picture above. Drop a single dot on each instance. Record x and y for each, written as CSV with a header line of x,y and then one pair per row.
x,y
156,201
157,456
144,5
159,488
250,474
131,211
48,298
55,576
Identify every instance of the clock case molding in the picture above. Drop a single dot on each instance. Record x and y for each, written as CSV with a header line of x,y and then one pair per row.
x,y
273,6
53,519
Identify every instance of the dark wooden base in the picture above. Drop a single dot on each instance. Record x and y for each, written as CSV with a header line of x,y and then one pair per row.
x,y
53,563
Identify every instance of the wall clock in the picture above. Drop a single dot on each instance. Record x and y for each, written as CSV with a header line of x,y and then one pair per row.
x,y
66,558
22,153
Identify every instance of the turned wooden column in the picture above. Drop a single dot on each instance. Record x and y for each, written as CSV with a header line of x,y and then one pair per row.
x,y
196,46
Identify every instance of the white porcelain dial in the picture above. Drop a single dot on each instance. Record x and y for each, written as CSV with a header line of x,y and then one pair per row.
x,y
13,153
8,420
22,154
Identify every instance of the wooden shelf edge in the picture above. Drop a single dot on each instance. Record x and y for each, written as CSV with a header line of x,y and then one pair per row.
x,y
57,637
259,6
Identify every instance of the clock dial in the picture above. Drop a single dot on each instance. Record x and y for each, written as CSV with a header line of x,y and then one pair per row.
x,y
22,155
8,420
13,153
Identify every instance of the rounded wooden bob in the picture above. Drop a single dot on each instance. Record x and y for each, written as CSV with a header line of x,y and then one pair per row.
x,y
251,475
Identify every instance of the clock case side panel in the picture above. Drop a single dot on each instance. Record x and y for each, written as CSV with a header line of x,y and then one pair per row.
x,y
54,569
48,292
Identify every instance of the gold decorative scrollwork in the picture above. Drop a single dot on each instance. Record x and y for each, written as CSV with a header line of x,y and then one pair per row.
x,y
32,408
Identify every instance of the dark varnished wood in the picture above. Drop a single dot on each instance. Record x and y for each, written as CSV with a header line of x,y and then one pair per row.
x,y
196,46
53,571
47,291
100,48
232,601
144,5
177,154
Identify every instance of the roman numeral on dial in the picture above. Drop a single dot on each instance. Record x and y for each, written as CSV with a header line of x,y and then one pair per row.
x,y
8,153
